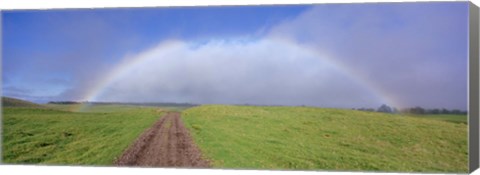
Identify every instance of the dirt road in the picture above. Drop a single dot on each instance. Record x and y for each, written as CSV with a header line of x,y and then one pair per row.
x,y
166,144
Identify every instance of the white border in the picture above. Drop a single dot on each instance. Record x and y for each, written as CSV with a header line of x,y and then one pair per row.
x,y
64,4
55,4
77,170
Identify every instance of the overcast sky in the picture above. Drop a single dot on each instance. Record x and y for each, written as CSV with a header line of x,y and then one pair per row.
x,y
331,55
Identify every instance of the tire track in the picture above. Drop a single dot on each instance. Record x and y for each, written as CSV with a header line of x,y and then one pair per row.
x,y
166,144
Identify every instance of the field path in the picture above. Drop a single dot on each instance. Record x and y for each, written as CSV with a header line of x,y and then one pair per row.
x,y
166,144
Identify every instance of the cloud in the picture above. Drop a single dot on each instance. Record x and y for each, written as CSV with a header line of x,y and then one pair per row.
x,y
57,54
15,90
354,55
416,53
239,71
25,94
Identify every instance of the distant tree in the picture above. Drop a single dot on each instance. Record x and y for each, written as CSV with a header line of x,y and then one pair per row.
x,y
456,111
417,110
445,111
384,108
366,109
63,102
434,111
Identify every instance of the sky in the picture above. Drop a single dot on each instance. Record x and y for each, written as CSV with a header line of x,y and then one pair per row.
x,y
325,55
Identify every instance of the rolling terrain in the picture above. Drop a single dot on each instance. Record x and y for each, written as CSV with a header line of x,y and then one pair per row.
x,y
33,135
307,138
239,137
13,102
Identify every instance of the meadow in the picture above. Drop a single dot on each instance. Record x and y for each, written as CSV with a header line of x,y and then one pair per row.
x,y
45,134
241,137
248,137
445,117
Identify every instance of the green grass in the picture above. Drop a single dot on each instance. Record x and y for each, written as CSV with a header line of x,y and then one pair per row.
x,y
13,102
327,139
173,108
49,136
445,117
102,108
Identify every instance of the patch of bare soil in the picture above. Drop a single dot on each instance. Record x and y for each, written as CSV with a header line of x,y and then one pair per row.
x,y
166,144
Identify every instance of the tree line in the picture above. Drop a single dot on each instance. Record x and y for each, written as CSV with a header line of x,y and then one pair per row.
x,y
63,102
413,110
126,103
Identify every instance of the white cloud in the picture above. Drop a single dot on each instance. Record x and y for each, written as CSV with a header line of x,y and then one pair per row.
x,y
415,54
267,71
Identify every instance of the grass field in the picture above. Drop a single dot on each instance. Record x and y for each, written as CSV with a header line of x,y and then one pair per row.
x,y
445,117
240,137
100,108
51,136
110,107
244,137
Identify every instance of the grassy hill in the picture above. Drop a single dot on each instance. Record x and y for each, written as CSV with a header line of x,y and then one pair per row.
x,y
13,102
455,118
328,139
32,135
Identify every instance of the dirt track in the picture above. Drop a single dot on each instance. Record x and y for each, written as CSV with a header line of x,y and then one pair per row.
x,y
166,144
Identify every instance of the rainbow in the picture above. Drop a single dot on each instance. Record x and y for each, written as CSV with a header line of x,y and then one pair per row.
x,y
128,65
